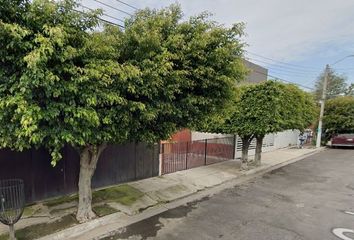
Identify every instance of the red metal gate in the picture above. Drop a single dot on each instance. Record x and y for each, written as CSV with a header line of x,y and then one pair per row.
x,y
185,155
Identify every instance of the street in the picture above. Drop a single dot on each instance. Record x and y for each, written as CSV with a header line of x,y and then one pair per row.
x,y
306,200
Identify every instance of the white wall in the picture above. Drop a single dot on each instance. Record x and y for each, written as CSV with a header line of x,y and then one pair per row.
x,y
286,138
268,145
204,135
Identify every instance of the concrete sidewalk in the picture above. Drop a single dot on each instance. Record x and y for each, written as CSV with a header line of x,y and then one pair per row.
x,y
175,189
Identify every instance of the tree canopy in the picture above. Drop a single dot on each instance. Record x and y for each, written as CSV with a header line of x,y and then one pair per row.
x,y
339,115
269,107
46,78
145,83
265,108
64,82
336,85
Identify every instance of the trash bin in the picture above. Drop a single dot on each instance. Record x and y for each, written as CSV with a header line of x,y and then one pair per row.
x,y
12,203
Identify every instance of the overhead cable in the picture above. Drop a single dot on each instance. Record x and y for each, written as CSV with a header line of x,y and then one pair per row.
x,y
281,62
105,14
112,7
122,2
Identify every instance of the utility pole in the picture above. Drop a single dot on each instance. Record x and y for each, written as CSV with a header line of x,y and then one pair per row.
x,y
323,99
322,102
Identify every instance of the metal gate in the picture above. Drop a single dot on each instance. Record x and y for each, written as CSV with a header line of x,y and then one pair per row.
x,y
185,155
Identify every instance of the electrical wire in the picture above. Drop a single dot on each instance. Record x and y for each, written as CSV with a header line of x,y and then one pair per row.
x,y
289,65
287,72
107,15
101,19
281,62
281,69
110,6
292,74
289,69
283,80
122,2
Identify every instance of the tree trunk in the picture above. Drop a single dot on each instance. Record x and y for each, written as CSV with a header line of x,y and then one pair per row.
x,y
88,161
12,232
258,156
244,158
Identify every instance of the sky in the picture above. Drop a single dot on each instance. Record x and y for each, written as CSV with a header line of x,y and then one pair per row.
x,y
294,40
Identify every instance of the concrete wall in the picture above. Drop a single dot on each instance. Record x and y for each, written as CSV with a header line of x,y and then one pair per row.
x,y
205,135
286,138
268,145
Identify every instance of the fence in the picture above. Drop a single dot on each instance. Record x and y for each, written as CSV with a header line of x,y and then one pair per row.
x,y
117,164
185,155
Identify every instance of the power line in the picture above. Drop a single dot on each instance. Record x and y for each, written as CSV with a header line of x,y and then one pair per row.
x,y
299,74
117,9
101,19
300,85
290,74
283,80
286,70
127,4
311,82
112,23
281,62
107,15
283,67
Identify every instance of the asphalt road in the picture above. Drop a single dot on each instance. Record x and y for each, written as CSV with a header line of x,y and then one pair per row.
x,y
305,200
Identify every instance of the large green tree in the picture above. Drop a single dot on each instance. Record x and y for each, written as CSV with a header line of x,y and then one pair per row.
x,y
336,85
285,106
265,108
64,83
339,115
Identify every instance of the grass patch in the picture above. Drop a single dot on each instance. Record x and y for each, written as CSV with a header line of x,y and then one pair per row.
x,y
103,210
4,237
61,200
29,211
124,194
43,229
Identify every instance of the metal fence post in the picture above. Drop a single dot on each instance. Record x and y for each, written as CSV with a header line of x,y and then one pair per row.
x,y
205,152
235,145
160,151
186,155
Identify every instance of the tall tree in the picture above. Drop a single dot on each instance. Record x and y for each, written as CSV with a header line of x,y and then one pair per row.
x,y
336,85
71,85
292,109
265,108
339,115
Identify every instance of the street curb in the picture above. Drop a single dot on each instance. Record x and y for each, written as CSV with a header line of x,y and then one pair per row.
x,y
112,223
265,169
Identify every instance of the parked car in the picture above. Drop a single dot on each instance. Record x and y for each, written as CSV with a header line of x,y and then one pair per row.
x,y
342,140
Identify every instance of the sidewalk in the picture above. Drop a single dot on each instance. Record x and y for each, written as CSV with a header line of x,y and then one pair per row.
x,y
175,189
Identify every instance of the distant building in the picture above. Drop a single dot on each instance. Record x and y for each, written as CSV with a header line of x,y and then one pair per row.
x,y
257,73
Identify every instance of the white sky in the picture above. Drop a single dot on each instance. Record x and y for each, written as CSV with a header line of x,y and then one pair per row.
x,y
309,33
